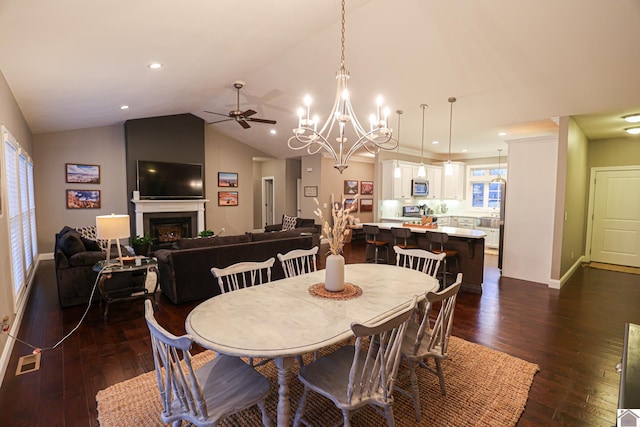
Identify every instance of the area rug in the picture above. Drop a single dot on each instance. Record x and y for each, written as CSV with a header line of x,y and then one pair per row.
x,y
484,387
613,267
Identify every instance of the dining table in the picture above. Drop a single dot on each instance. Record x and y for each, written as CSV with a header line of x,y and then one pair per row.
x,y
286,318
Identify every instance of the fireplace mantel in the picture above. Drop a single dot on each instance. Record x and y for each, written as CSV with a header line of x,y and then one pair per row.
x,y
154,206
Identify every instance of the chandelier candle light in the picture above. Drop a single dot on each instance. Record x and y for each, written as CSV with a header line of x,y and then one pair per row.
x,y
307,136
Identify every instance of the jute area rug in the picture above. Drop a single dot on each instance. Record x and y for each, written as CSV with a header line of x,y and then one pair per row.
x,y
484,387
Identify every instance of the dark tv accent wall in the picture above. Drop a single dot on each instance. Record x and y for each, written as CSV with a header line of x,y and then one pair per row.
x,y
178,138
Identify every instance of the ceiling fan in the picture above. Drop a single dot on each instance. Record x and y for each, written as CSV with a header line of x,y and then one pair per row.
x,y
242,117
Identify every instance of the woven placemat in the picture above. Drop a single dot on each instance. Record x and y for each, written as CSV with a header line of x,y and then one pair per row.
x,y
350,291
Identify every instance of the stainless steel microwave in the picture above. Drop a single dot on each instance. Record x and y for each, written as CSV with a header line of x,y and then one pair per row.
x,y
419,187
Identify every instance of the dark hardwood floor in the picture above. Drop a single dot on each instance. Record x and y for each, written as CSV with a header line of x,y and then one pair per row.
x,y
575,335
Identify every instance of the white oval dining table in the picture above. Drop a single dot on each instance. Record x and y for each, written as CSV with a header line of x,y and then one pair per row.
x,y
282,319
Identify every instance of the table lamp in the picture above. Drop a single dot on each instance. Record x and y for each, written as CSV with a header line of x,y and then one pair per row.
x,y
112,227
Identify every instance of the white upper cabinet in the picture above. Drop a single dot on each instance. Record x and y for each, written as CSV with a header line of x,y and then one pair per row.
x,y
453,185
434,176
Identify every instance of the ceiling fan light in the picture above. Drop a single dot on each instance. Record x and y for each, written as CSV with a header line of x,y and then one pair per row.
x,y
632,118
633,131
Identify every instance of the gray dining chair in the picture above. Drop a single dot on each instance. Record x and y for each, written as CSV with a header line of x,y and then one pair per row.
x,y
361,374
423,341
222,387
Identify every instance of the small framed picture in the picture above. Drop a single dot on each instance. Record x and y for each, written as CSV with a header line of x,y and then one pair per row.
x,y
311,191
366,205
227,179
366,187
82,174
227,198
351,203
350,187
83,199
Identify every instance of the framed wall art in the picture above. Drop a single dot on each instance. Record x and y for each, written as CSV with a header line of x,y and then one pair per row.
x,y
311,191
76,173
366,205
366,187
350,187
227,179
348,203
227,198
83,199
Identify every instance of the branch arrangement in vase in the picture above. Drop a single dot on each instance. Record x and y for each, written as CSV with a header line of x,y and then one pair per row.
x,y
341,219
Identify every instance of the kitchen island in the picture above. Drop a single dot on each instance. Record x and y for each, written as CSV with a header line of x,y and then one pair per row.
x,y
468,242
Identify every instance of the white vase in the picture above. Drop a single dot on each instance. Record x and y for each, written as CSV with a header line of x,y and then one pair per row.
x,y
334,273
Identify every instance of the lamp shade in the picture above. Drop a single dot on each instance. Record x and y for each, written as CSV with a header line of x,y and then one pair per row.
x,y
112,227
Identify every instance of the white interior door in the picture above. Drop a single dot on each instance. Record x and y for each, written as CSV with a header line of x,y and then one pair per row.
x,y
615,237
268,201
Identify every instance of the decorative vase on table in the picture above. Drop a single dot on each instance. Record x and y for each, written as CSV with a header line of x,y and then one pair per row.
x,y
334,273
336,236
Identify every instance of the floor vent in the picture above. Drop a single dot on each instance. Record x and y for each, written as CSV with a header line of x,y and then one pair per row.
x,y
28,363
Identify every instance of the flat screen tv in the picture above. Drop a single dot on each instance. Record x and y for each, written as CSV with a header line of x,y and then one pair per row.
x,y
165,180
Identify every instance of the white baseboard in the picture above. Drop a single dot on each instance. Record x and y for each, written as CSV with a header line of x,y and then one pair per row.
x,y
557,284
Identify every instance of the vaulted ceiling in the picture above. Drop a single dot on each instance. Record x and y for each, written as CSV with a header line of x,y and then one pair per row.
x,y
513,66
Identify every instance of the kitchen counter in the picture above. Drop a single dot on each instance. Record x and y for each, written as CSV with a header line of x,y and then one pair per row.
x,y
468,242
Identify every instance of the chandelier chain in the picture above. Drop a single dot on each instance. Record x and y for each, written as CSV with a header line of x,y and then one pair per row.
x,y
342,38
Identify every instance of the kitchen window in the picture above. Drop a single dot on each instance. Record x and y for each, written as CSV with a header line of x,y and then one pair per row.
x,y
485,194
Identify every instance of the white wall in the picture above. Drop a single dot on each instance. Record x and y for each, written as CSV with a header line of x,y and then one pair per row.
x,y
529,209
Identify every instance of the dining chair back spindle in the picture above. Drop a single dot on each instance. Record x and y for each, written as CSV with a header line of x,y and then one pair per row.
x,y
361,374
221,387
424,340
419,259
243,274
298,261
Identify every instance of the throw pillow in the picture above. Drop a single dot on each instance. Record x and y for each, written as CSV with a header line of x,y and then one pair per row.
x,y
70,243
288,222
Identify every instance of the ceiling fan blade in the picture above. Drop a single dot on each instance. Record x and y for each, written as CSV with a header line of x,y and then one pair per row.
x,y
243,123
248,113
271,122
219,121
219,114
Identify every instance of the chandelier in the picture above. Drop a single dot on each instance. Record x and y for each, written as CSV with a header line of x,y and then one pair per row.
x,y
308,136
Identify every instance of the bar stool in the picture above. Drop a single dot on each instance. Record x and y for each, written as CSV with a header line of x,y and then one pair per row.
x,y
404,234
436,245
371,237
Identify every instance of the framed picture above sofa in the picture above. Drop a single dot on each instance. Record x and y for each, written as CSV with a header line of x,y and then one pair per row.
x,y
83,199
227,198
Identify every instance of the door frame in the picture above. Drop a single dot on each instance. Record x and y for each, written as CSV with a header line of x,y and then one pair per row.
x,y
592,188
264,200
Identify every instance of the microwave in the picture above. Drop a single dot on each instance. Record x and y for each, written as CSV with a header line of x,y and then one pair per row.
x,y
419,187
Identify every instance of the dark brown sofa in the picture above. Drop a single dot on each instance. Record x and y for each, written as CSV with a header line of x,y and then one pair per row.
x,y
185,272
75,256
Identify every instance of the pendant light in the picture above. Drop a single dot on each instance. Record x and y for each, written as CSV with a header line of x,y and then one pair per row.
x,y
397,173
499,178
421,171
448,167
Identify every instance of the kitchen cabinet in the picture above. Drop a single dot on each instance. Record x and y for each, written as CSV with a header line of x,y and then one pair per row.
x,y
453,185
493,237
434,176
397,188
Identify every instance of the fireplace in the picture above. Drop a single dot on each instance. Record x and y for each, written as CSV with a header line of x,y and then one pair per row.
x,y
166,212
168,227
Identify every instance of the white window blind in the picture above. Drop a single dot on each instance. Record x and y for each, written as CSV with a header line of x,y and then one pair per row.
x,y
15,225
21,213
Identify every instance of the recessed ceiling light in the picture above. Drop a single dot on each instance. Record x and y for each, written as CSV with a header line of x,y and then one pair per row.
x,y
435,142
632,118
155,65
124,107
273,131
633,130
502,133
464,150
